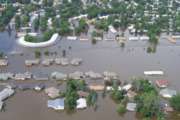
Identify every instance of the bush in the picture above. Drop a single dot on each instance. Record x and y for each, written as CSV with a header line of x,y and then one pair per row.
x,y
92,98
46,53
117,95
148,104
37,54
30,38
94,41
175,102
71,95
47,35
149,50
1,54
121,109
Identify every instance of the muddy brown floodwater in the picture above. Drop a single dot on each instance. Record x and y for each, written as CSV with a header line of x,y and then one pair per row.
x,y
29,105
128,62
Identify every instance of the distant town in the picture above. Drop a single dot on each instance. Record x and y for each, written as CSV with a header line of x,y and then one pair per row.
x,y
90,59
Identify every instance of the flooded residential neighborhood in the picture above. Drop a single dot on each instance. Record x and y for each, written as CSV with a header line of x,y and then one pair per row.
x,y
102,60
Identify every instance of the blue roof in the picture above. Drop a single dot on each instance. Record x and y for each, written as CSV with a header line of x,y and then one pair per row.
x,y
57,104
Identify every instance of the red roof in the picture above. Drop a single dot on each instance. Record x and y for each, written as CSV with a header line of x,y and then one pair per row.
x,y
162,83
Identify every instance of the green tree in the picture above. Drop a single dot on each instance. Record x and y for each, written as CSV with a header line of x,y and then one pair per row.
x,y
6,16
25,20
92,98
37,54
175,102
64,27
71,95
93,11
116,94
143,86
102,24
48,3
148,104
47,35
36,24
17,22
121,109
83,27
30,38
43,24
1,54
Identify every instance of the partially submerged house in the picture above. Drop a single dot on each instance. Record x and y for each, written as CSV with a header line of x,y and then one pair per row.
x,y
57,104
82,94
76,75
162,83
59,76
32,62
93,75
1,105
47,62
3,62
62,61
127,87
76,61
52,92
167,93
111,34
81,103
131,106
39,87
6,76
96,87
23,76
110,75
5,93
133,38
72,38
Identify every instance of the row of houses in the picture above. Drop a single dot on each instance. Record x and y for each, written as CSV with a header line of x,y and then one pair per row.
x,y
18,76
107,75
57,61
